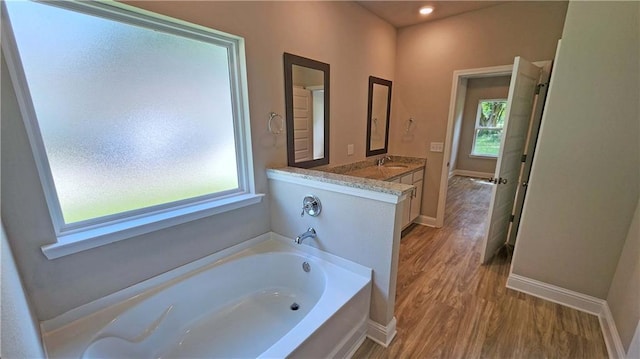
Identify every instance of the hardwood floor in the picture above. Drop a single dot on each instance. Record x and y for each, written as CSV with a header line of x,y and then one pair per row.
x,y
450,306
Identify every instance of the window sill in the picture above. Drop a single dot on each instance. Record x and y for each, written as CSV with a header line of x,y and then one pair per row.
x,y
79,241
486,157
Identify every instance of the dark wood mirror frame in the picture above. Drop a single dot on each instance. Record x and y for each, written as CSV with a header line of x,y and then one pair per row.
x,y
289,61
376,80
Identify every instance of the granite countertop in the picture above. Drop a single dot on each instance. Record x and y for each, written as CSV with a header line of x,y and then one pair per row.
x,y
393,188
396,167
364,174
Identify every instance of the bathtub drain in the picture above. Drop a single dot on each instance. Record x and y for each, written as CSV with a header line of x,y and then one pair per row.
x,y
294,306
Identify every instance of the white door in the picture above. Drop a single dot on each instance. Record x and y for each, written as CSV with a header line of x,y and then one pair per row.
x,y
302,124
524,80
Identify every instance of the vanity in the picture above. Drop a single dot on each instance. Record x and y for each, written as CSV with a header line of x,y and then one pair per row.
x,y
307,118
396,169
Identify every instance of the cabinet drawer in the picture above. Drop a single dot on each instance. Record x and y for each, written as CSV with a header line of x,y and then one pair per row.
x,y
417,176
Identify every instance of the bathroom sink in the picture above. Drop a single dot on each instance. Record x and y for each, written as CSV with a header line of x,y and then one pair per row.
x,y
395,166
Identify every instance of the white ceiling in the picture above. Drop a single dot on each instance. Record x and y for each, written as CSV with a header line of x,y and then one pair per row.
x,y
405,13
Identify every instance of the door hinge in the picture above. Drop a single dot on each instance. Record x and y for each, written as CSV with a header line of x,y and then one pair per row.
x,y
512,218
524,158
538,87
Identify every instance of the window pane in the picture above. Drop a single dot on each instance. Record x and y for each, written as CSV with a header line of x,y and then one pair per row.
x,y
492,114
130,117
487,142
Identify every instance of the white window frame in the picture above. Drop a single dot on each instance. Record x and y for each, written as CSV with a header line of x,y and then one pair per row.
x,y
80,236
477,128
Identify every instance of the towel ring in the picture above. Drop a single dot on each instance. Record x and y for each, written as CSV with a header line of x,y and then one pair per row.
x,y
409,124
275,124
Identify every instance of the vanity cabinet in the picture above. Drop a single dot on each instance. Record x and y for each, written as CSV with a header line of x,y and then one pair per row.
x,y
411,209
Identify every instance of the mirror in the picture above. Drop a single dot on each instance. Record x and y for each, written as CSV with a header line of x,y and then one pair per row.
x,y
306,90
378,116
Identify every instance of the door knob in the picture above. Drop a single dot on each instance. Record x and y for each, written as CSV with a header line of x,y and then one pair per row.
x,y
492,180
502,180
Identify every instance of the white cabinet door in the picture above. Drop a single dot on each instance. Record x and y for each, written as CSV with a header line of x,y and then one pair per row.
x,y
416,201
406,209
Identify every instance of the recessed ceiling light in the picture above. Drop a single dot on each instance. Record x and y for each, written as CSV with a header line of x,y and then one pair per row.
x,y
426,10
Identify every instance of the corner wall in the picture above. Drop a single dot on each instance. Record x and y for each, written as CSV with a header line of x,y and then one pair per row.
x,y
624,294
427,55
585,178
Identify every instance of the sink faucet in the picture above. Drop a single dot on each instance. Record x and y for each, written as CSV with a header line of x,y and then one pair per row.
x,y
310,233
382,160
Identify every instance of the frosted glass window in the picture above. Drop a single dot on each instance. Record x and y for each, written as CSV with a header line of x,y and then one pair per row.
x,y
130,117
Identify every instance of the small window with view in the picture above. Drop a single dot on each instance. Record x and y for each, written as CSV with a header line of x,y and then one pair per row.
x,y
489,125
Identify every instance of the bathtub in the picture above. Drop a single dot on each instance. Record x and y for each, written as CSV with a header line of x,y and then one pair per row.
x,y
266,298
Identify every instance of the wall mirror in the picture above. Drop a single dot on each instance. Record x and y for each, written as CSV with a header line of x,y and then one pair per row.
x,y
378,116
306,90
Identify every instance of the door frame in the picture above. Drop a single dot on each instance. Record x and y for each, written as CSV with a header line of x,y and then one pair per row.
x,y
456,109
454,120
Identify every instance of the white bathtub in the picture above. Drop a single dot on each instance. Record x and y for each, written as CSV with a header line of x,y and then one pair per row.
x,y
256,301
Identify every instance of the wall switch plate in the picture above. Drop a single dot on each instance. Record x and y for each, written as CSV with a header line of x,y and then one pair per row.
x,y
437,147
350,150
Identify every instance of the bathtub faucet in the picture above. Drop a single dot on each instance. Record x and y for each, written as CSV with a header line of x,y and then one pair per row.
x,y
310,233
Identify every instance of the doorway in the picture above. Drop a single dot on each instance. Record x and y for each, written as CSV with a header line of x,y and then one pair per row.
x,y
517,128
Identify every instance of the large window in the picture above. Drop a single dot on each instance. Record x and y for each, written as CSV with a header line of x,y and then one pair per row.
x,y
129,115
489,126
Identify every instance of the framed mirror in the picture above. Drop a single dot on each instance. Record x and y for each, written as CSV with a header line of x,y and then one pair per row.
x,y
378,116
306,91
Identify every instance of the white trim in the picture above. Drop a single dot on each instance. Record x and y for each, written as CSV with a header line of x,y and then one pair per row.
x,y
483,157
582,302
343,187
381,334
349,345
477,174
425,221
568,298
356,346
610,333
114,232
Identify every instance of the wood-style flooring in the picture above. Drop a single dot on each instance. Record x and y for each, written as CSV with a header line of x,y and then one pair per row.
x,y
448,305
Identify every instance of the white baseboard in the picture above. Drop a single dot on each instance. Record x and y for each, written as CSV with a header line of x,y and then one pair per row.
x,y
610,333
472,174
582,302
552,293
425,221
356,346
381,334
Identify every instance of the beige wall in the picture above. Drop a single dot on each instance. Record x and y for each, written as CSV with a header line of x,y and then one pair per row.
x,y
585,178
428,54
354,42
624,294
478,89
